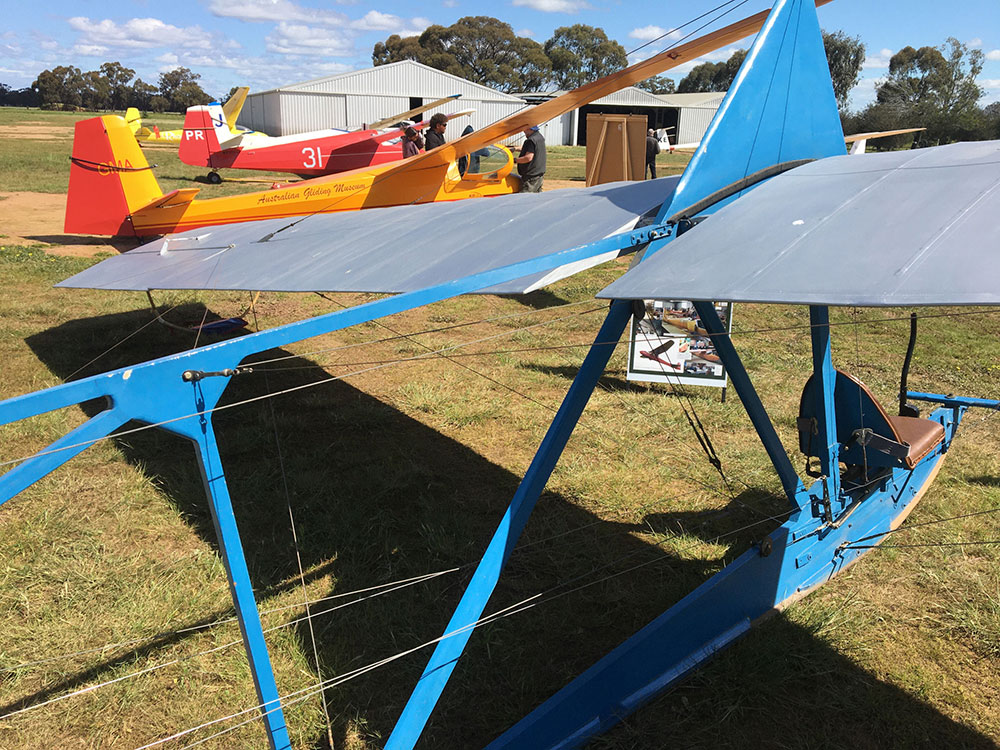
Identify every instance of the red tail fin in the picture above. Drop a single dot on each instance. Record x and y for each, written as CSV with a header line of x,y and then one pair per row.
x,y
198,140
206,140
109,178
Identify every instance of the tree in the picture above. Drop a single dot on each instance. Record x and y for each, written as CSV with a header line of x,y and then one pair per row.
x,y
181,90
478,48
11,97
141,94
991,115
658,85
845,55
95,91
933,87
712,76
118,78
581,54
59,86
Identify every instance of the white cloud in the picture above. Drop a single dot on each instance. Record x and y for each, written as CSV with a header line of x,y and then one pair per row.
x,y
881,60
168,58
648,33
450,3
274,10
525,32
974,43
989,83
553,6
138,33
864,93
90,50
993,54
302,39
374,20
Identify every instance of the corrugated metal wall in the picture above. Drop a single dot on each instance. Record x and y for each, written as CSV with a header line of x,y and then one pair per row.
x,y
405,78
351,100
693,122
289,112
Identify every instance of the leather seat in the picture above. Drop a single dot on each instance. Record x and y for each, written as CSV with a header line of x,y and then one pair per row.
x,y
921,435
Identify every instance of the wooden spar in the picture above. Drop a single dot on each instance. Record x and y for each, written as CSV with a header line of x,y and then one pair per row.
x,y
669,58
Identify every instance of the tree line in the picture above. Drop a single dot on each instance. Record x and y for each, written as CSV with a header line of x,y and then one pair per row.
x,y
931,87
110,87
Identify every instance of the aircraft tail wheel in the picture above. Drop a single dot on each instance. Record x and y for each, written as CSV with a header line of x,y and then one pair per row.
x,y
214,178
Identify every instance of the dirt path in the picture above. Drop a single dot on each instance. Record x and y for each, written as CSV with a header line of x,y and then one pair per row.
x,y
37,131
29,218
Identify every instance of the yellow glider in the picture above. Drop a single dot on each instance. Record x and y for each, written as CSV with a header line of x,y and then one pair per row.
x,y
231,109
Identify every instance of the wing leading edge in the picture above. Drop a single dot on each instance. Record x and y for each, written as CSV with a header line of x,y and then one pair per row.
x,y
386,250
900,228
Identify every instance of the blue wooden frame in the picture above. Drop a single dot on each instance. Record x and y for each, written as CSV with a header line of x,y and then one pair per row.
x,y
753,130
178,393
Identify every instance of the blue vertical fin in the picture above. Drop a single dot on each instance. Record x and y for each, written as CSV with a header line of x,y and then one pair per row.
x,y
780,107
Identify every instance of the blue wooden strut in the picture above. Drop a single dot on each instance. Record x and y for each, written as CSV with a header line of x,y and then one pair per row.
x,y
179,393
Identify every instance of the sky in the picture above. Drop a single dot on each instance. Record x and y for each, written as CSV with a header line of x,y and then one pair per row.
x,y
265,44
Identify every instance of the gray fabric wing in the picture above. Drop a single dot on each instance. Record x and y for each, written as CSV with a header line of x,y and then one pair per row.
x,y
397,249
903,228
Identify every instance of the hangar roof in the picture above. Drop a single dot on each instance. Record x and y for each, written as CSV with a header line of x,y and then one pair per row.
x,y
404,78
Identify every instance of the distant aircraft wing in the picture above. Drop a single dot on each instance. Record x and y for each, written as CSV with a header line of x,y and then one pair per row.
x,y
410,112
898,228
398,249
859,141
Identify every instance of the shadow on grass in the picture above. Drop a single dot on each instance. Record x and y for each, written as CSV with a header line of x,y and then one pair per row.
x,y
121,244
378,496
568,372
540,299
985,481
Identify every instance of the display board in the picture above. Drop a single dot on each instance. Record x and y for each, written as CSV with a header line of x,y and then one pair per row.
x,y
669,345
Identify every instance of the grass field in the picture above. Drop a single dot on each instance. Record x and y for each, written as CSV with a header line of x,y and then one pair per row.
x,y
109,566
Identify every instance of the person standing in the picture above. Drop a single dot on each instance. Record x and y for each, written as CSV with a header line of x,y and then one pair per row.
x,y
412,142
435,133
652,149
531,161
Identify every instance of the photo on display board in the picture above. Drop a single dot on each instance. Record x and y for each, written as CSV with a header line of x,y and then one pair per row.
x,y
669,344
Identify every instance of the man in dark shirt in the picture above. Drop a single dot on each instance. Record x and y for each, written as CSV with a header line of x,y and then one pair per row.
x,y
531,161
652,149
435,133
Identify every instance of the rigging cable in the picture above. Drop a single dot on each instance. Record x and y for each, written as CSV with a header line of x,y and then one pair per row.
x,y
517,608
141,428
295,542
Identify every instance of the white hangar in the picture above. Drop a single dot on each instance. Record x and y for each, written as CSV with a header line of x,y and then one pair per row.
x,y
350,100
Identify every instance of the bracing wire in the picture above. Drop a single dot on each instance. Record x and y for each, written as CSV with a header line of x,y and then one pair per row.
x,y
295,543
923,544
118,343
384,363
912,526
521,606
181,659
